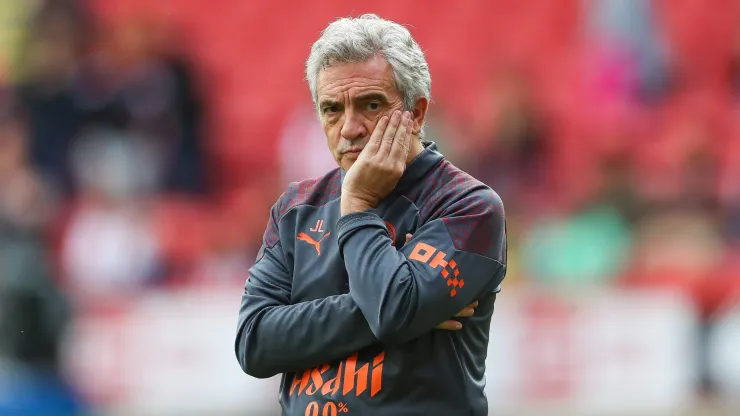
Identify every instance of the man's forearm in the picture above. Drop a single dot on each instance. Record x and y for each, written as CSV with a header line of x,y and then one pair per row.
x,y
288,338
406,293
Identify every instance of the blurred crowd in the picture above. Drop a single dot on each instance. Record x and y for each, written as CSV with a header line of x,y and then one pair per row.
x,y
616,152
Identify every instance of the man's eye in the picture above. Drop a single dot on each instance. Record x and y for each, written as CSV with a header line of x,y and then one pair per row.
x,y
373,106
331,109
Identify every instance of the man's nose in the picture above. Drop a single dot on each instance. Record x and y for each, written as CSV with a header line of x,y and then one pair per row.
x,y
354,127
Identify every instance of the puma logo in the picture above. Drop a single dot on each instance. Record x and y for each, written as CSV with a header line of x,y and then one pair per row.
x,y
316,244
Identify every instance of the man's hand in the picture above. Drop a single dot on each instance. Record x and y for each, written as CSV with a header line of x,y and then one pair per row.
x,y
467,312
453,325
380,164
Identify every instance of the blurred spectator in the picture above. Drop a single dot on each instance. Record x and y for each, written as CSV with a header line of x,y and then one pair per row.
x,y
110,246
678,247
138,80
24,200
590,247
57,40
679,238
625,31
33,317
132,80
588,241
511,158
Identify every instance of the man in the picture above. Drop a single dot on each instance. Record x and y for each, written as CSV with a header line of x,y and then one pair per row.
x,y
340,300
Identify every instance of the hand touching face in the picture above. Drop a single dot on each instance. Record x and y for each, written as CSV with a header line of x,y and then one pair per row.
x,y
380,164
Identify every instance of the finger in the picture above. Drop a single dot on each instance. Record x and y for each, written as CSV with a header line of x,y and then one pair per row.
x,y
377,136
465,313
390,133
400,144
450,326
473,305
408,238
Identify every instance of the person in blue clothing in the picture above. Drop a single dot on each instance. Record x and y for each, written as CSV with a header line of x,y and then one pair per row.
x,y
358,267
33,316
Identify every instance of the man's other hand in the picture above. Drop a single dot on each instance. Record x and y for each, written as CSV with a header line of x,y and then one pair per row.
x,y
467,312
453,325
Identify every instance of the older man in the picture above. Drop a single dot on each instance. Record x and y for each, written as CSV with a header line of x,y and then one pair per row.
x,y
359,267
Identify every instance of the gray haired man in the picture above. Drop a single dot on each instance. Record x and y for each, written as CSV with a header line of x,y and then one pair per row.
x,y
358,267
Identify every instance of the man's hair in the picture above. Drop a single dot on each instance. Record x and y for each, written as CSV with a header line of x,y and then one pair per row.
x,y
359,39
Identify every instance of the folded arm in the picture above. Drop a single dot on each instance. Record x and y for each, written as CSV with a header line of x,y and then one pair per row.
x,y
449,263
275,336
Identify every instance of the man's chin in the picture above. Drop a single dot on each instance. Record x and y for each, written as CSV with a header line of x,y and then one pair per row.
x,y
348,161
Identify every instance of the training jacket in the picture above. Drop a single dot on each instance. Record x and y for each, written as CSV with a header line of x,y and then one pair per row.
x,y
346,311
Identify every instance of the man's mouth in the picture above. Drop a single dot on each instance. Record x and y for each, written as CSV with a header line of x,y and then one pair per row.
x,y
353,152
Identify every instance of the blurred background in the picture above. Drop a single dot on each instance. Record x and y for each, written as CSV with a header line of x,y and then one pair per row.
x,y
142,143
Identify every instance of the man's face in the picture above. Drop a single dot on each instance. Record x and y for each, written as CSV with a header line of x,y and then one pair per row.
x,y
352,97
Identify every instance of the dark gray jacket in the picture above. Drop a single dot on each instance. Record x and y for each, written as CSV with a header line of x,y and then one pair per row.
x,y
347,311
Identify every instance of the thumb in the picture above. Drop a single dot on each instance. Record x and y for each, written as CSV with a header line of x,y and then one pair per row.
x,y
408,238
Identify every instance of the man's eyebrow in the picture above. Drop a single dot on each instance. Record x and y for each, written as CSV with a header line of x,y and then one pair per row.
x,y
327,102
372,96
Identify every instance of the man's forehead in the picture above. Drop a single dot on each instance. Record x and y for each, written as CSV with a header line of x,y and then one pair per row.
x,y
372,74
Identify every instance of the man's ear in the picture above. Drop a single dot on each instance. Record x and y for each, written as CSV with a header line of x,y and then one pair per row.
x,y
419,113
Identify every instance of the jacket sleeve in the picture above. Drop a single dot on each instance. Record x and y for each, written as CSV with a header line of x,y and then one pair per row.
x,y
275,336
450,262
